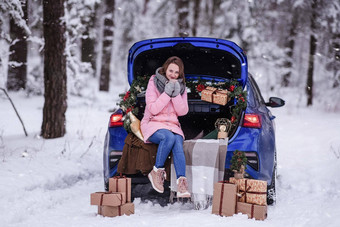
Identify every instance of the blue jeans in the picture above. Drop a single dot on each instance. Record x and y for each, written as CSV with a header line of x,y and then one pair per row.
x,y
168,141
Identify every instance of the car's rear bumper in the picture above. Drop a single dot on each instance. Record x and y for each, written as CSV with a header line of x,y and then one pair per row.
x,y
250,140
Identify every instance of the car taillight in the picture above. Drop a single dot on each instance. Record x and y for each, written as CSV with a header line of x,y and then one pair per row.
x,y
116,120
251,121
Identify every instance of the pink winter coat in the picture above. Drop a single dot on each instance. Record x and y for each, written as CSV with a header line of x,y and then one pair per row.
x,y
162,111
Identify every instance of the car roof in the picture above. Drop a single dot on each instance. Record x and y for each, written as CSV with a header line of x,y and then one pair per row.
x,y
203,57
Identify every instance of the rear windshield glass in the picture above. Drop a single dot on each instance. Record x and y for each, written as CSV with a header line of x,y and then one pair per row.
x,y
197,61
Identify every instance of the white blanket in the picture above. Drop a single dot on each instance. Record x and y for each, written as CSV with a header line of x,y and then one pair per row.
x,y
205,164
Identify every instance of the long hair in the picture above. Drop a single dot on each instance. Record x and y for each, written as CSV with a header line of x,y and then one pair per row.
x,y
177,61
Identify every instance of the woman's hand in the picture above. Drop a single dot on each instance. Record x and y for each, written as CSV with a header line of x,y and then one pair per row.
x,y
169,88
177,89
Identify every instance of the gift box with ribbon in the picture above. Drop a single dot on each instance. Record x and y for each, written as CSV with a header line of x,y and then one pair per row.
x,y
224,199
251,191
214,95
108,198
121,184
220,97
117,201
253,211
207,94
110,211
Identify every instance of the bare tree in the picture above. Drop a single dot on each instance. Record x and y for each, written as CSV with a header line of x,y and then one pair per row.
x,y
216,5
196,16
290,44
104,80
312,49
17,70
55,105
333,28
145,7
334,64
15,109
182,7
88,40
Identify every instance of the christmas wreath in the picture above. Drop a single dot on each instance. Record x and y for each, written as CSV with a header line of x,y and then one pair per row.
x,y
235,91
128,100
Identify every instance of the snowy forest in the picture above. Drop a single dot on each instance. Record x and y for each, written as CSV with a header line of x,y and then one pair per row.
x,y
64,63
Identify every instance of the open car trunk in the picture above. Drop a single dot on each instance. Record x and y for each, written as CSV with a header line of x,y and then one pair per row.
x,y
204,58
199,123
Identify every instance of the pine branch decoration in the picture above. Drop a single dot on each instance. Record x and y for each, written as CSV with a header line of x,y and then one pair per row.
x,y
238,160
128,100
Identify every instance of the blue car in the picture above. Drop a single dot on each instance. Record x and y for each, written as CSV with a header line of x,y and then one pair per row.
x,y
213,61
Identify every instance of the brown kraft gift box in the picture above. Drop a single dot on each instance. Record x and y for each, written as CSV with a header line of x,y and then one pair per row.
x,y
251,191
108,211
253,211
220,97
108,198
224,199
121,184
207,94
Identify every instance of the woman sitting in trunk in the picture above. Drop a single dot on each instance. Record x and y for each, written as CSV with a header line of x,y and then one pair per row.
x,y
166,99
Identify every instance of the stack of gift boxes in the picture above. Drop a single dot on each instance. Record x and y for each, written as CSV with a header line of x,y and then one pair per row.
x,y
117,201
214,95
246,196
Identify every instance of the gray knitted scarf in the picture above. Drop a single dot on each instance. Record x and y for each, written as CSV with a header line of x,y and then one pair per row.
x,y
161,81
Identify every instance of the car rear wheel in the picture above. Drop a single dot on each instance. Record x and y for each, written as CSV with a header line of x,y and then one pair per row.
x,y
271,189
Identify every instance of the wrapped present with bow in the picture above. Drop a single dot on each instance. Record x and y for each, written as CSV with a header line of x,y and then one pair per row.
x,y
214,95
221,97
251,191
108,198
121,184
207,94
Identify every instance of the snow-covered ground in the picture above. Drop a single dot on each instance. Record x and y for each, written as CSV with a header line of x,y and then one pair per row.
x,y
48,182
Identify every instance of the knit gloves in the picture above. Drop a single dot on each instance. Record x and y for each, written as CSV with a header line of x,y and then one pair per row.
x,y
177,89
169,88
172,88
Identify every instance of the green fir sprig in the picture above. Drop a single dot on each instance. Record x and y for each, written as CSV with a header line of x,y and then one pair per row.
x,y
239,159
128,100
235,91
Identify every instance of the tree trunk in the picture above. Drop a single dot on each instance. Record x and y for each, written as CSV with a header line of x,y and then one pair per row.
x,y
104,81
196,16
290,44
336,60
216,5
312,50
17,69
55,105
145,7
182,7
89,41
